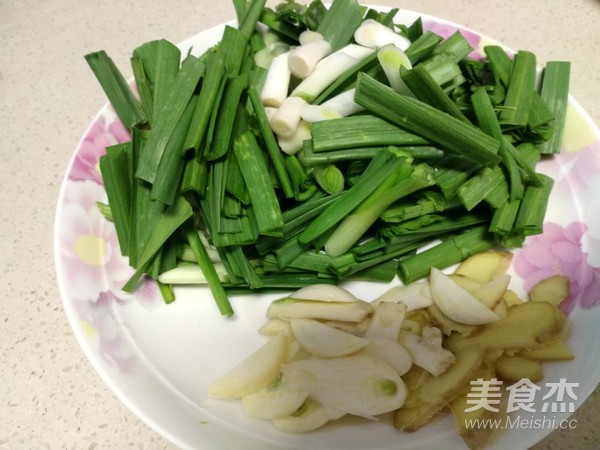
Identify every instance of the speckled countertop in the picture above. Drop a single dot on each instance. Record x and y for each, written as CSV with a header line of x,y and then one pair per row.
x,y
50,396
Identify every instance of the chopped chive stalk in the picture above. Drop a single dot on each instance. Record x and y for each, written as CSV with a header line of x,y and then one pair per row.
x,y
170,170
227,114
451,251
404,181
173,218
555,94
209,271
360,131
168,58
427,121
504,217
260,189
499,61
428,202
521,88
339,22
423,46
270,143
420,82
143,85
252,14
182,90
209,90
243,266
330,178
194,176
486,182
455,46
380,167
144,212
240,7
115,170
415,30
311,159
452,172
488,122
444,71
116,89
530,218
166,290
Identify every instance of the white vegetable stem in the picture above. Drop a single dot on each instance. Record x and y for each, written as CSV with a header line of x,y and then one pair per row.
x,y
277,82
342,105
304,58
373,34
391,59
294,143
287,118
308,36
191,274
330,69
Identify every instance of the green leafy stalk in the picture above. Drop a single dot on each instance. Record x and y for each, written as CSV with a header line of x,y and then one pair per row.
x,y
360,131
209,271
451,251
262,194
380,167
406,180
521,89
426,121
340,21
117,90
175,216
178,99
555,94
115,170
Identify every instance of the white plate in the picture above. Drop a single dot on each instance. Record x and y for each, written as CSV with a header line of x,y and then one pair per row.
x,y
160,359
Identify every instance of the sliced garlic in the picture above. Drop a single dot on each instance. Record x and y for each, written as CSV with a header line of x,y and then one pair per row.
x,y
457,303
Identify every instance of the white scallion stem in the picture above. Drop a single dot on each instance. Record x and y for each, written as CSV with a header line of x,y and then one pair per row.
x,y
270,112
277,82
391,59
329,69
373,34
285,121
304,58
342,105
294,143
190,274
309,36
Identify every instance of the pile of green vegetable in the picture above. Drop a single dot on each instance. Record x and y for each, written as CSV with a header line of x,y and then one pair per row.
x,y
204,188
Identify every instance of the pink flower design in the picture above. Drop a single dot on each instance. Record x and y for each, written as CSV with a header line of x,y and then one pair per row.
x,y
558,251
93,146
90,249
580,170
107,333
89,246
